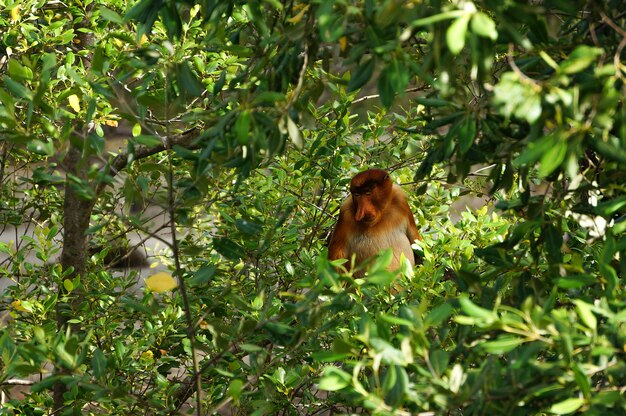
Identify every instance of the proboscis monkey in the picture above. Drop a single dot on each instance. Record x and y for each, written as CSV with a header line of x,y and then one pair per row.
x,y
375,216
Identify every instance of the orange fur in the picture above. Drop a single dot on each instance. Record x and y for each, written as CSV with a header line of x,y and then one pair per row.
x,y
375,216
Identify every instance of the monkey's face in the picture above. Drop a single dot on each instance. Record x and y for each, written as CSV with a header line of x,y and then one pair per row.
x,y
371,192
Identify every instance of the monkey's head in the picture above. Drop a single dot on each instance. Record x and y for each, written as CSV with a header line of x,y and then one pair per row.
x,y
371,193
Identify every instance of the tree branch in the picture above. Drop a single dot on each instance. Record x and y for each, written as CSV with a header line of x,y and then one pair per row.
x,y
119,162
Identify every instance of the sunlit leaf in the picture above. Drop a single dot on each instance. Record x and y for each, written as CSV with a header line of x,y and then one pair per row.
x,y
74,102
455,35
484,26
15,12
567,406
294,133
22,306
473,310
334,379
553,158
502,345
235,389
456,378
19,72
579,59
242,127
298,17
586,315
161,282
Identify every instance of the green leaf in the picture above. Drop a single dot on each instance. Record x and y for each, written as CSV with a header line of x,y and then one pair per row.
x,y
395,385
361,75
576,281
382,261
228,248
439,360
17,89
554,240
41,148
484,26
579,59
519,98
147,140
473,310
438,18
248,227
110,15
334,379
187,80
235,389
328,356
388,353
586,315
219,84
434,102
331,24
502,344
582,380
455,35
455,381
393,80
136,130
294,134
19,72
268,97
608,208
394,320
203,275
466,134
438,314
567,406
381,277
553,158
534,151
99,364
242,127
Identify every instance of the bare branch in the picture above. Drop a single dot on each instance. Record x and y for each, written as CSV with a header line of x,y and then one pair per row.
x,y
119,162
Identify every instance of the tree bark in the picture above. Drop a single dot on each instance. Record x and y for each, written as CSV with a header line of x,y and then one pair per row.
x,y
76,215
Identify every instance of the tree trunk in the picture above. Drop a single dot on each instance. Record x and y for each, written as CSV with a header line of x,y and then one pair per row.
x,y
76,215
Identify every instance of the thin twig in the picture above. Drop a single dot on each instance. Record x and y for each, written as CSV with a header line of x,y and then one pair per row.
x,y
191,330
370,97
515,68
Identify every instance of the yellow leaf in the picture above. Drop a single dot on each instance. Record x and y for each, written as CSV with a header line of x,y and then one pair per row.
x,y
110,122
343,43
17,305
161,282
147,356
143,39
299,16
74,102
15,13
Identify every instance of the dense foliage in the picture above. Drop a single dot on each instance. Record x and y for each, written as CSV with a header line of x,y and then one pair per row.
x,y
242,122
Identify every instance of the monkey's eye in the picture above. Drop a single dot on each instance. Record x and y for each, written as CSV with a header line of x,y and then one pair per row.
x,y
356,194
368,193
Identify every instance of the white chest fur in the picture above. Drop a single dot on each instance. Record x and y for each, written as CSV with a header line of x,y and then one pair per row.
x,y
371,241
